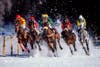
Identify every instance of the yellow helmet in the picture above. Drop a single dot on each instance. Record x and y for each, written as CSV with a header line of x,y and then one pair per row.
x,y
45,15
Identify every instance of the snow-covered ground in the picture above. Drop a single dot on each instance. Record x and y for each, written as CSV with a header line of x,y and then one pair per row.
x,y
45,57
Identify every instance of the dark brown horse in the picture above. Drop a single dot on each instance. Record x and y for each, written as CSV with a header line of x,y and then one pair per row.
x,y
69,38
23,36
34,37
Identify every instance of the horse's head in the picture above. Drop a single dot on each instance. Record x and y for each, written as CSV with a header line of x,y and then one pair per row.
x,y
66,29
45,28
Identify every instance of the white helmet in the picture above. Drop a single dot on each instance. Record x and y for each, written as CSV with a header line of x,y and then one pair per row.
x,y
81,17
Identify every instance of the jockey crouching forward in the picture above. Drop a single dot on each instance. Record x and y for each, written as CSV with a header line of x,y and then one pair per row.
x,y
33,24
66,25
81,23
46,21
21,21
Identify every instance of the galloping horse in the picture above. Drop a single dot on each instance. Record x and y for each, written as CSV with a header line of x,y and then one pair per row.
x,y
34,37
23,36
57,37
49,37
84,38
69,38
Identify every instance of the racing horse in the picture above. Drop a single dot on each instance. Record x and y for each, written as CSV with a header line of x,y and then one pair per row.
x,y
57,37
69,38
49,37
23,38
84,38
34,37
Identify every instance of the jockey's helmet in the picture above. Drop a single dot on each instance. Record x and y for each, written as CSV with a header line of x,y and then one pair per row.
x,y
45,15
32,18
18,16
81,18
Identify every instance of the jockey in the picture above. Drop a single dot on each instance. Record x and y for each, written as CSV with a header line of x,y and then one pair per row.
x,y
66,24
34,24
81,23
46,20
21,21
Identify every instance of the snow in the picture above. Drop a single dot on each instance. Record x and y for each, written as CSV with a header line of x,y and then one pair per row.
x,y
45,57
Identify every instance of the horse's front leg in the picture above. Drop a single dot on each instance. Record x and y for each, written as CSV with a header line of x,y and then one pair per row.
x,y
84,48
74,45
68,43
26,48
59,44
87,44
70,50
50,46
31,44
38,45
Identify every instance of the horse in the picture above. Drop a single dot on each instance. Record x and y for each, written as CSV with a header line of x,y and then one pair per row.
x,y
69,38
57,37
34,37
50,38
23,36
84,38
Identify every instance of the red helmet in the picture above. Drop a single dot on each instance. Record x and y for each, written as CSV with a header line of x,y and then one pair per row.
x,y
18,16
32,18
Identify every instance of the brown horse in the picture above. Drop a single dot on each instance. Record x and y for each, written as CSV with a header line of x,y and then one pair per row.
x,y
34,37
23,39
50,38
57,37
69,38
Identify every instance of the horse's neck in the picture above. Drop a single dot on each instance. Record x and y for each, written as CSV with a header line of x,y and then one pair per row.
x,y
50,31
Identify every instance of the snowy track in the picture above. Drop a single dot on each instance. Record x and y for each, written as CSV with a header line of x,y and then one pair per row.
x,y
44,58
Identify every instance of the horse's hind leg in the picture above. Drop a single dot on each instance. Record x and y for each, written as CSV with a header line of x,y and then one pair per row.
x,y
59,44
84,49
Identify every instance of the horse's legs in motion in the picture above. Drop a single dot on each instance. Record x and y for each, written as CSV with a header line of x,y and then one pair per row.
x,y
70,49
38,45
25,45
87,46
31,44
74,45
84,48
50,47
55,48
59,44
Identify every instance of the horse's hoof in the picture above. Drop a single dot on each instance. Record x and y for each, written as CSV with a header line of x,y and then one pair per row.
x,y
40,49
28,51
88,54
75,50
61,48
22,50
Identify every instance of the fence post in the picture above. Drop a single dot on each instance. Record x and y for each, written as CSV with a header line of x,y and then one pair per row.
x,y
11,45
4,46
